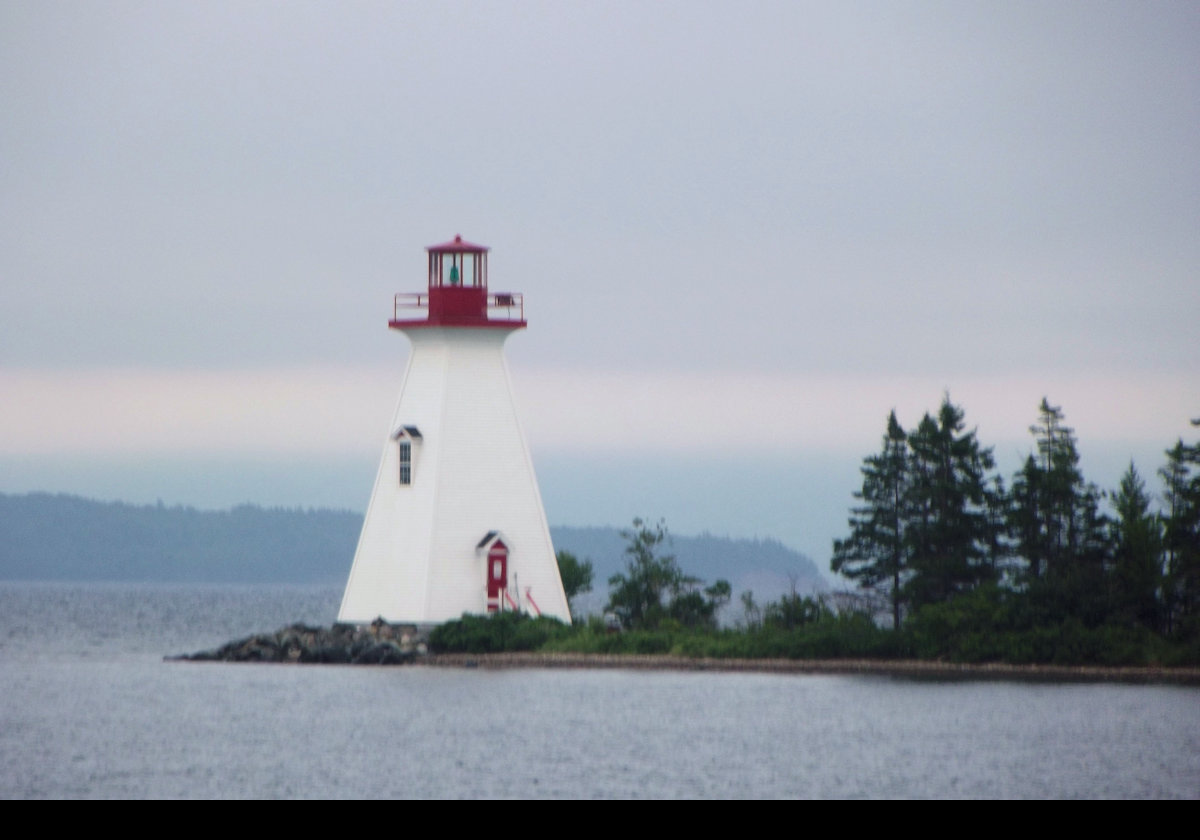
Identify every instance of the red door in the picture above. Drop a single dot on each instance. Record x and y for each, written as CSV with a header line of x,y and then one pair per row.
x,y
497,575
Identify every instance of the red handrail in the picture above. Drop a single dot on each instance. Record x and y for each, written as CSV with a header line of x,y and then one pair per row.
x,y
501,306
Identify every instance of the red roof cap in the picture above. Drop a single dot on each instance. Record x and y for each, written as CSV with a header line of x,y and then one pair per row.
x,y
458,246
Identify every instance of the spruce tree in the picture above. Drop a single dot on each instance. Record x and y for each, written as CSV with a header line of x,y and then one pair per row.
x,y
874,554
1057,524
1181,476
1026,520
1061,485
999,547
1137,554
949,528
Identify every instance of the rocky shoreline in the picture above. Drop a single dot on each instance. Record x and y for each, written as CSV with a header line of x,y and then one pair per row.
x,y
381,643
377,643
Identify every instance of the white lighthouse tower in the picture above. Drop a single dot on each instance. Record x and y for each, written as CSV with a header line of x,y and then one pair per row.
x,y
455,524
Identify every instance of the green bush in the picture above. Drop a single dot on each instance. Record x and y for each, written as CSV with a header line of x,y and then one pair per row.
x,y
987,625
849,636
995,625
495,633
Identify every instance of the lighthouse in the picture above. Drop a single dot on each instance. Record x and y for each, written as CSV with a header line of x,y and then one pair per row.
x,y
455,524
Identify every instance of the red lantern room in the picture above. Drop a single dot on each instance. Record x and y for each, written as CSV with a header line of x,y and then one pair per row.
x,y
458,293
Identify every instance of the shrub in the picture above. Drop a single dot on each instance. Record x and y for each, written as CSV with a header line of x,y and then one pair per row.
x,y
495,633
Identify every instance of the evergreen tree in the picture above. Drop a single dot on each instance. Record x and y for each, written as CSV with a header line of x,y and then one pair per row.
x,y
1057,524
1181,476
1174,476
999,550
1088,582
949,527
874,553
1061,484
1026,519
1137,554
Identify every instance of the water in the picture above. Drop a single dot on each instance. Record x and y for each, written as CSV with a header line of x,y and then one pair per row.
x,y
89,709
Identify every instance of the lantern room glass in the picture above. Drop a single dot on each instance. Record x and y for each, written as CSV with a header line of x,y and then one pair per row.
x,y
457,268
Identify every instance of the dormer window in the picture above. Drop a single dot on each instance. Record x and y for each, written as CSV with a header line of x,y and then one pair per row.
x,y
405,462
405,437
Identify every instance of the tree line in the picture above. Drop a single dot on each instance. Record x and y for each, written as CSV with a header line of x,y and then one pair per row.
x,y
936,526
1044,568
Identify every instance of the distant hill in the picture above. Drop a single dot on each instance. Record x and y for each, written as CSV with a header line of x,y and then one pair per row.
x,y
59,537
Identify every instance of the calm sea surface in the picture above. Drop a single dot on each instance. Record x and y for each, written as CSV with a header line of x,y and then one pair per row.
x,y
89,709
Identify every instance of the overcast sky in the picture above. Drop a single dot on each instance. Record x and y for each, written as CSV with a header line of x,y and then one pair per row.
x,y
745,232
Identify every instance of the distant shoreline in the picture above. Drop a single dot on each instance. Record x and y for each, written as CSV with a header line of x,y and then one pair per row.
x,y
905,669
